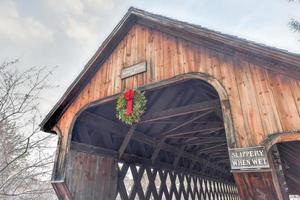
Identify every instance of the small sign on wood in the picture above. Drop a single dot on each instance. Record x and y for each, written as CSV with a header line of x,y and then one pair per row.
x,y
133,70
251,158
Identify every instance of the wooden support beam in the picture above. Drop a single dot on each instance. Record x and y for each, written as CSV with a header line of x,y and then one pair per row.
x,y
118,128
130,158
203,142
169,132
90,149
211,123
212,147
192,139
157,149
162,140
210,151
202,131
178,156
184,110
127,140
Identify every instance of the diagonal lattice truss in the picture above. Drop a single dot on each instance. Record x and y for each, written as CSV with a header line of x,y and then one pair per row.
x,y
140,182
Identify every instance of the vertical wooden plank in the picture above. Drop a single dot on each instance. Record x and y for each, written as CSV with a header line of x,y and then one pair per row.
x,y
198,59
135,53
173,56
128,57
159,58
215,65
251,115
156,55
91,177
113,75
142,52
108,69
206,61
191,57
149,55
172,52
167,55
284,100
255,185
295,89
127,61
266,103
229,81
184,47
119,63
103,80
132,81
179,49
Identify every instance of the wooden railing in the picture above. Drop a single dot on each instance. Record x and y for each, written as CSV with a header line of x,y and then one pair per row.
x,y
148,183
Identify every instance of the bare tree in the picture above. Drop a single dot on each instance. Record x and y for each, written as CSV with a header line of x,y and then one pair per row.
x,y
294,23
26,153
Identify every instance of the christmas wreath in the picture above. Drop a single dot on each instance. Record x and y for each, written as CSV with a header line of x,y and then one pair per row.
x,y
130,106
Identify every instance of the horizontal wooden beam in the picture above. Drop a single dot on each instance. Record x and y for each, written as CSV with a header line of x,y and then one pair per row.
x,y
210,151
170,132
212,147
130,158
202,138
183,110
212,123
90,149
119,128
203,142
204,131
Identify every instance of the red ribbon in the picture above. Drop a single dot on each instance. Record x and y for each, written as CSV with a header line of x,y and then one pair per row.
x,y
129,94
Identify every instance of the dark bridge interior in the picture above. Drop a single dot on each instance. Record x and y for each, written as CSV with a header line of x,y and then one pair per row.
x,y
290,158
181,129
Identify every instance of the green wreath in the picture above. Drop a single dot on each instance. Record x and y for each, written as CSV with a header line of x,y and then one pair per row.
x,y
138,106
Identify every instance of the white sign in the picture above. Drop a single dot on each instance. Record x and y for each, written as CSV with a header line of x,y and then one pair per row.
x,y
249,158
133,70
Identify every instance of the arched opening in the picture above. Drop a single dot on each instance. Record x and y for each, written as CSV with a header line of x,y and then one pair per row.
x,y
284,150
177,151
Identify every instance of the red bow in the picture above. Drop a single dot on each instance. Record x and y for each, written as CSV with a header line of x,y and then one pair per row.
x,y
129,94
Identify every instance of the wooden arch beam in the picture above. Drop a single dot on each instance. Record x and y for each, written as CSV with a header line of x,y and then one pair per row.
x,y
288,136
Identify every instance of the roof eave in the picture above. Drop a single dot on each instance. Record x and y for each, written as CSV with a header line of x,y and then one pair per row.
x,y
98,58
148,19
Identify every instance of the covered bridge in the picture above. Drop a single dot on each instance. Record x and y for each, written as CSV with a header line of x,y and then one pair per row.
x,y
222,118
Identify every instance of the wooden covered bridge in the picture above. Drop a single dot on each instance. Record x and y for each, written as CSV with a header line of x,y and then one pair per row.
x,y
222,118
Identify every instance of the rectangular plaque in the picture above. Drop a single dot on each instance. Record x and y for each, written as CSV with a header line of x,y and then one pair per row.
x,y
248,158
133,70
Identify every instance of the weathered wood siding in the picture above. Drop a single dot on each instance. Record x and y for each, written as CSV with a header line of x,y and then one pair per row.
x,y
262,101
91,177
263,183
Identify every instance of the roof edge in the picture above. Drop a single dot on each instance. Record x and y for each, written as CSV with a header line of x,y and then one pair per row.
x,y
134,15
65,99
230,40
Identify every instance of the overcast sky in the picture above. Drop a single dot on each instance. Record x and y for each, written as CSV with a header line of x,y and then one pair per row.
x,y
66,33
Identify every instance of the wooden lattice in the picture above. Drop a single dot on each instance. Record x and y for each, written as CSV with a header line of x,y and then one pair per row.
x,y
141,183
